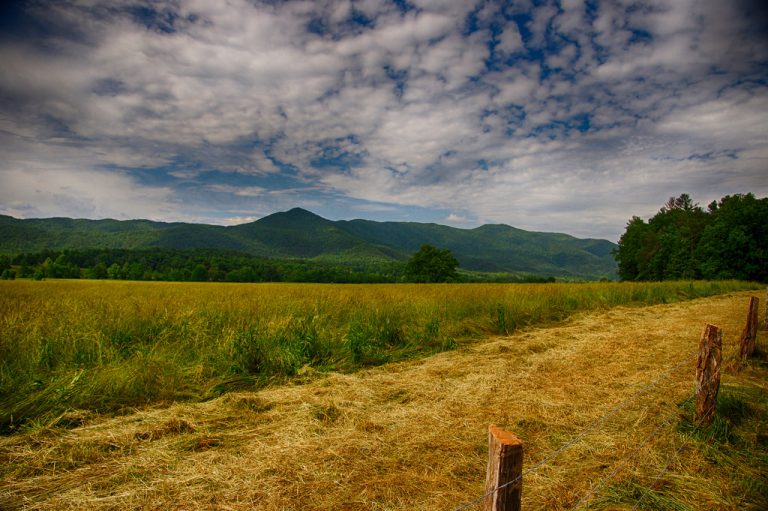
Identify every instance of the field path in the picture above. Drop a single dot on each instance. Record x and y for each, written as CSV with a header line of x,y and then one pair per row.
x,y
407,436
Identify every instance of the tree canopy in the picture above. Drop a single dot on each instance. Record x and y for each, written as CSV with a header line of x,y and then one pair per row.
x,y
430,264
683,241
200,265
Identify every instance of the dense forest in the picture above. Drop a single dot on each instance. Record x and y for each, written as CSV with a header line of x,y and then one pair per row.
x,y
207,265
197,265
728,240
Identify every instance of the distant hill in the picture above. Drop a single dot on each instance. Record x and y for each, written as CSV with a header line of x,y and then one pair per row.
x,y
302,234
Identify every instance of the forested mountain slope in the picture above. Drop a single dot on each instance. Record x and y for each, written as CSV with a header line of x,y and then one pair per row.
x,y
301,234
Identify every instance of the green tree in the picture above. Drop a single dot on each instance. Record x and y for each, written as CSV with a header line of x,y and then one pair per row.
x,y
244,274
63,268
24,270
682,241
631,255
199,273
665,247
99,271
735,243
114,271
133,271
430,264
48,269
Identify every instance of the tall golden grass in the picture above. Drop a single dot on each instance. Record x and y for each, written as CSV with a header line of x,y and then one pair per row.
x,y
106,346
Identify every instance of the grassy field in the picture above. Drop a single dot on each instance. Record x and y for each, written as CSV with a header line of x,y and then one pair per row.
x,y
413,434
108,346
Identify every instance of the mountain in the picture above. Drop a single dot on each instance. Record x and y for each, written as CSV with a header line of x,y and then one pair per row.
x,y
302,234
498,247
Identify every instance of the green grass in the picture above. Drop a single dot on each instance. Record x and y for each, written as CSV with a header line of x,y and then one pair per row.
x,y
637,496
108,346
735,441
732,447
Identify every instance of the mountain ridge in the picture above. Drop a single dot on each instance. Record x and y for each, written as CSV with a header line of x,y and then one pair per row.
x,y
302,234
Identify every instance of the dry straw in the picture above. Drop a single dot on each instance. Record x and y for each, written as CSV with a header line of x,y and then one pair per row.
x,y
410,435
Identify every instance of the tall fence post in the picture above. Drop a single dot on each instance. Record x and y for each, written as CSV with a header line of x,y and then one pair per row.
x,y
505,467
749,335
708,374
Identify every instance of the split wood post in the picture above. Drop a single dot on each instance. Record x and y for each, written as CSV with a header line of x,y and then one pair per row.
x,y
749,335
708,374
505,467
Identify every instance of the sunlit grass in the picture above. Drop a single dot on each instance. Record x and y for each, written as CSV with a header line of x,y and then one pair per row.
x,y
105,346
413,435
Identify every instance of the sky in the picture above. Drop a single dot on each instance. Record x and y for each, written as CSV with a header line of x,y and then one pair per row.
x,y
560,116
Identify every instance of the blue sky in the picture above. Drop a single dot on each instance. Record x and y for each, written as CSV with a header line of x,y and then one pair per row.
x,y
567,116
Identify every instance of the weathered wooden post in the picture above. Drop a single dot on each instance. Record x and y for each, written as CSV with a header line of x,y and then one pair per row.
x,y
505,468
749,335
708,374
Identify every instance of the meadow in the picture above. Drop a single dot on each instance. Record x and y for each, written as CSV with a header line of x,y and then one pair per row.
x,y
109,347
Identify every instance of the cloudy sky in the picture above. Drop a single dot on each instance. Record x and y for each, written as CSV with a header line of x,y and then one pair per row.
x,y
566,116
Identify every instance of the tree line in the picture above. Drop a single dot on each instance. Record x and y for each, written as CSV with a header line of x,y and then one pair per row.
x,y
728,240
429,264
197,265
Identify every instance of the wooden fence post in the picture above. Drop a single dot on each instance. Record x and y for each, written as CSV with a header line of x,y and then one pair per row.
x,y
708,374
505,464
749,335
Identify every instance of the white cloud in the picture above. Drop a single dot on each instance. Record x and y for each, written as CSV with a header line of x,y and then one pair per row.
x,y
398,111
734,119
239,191
237,220
453,218
83,194
400,35
510,40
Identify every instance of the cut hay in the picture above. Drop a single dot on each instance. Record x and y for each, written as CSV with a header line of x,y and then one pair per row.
x,y
412,435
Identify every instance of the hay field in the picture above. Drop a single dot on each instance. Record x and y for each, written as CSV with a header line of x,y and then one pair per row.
x,y
412,434
108,346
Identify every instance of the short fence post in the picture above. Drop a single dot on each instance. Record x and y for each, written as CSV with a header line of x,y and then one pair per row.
x,y
505,468
708,374
749,335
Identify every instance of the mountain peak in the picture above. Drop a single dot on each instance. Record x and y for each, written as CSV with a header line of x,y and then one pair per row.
x,y
295,217
301,212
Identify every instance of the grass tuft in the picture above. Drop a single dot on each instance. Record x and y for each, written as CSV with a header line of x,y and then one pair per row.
x,y
732,443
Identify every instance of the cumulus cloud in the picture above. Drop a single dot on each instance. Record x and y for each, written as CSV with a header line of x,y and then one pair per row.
x,y
44,192
453,218
567,116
